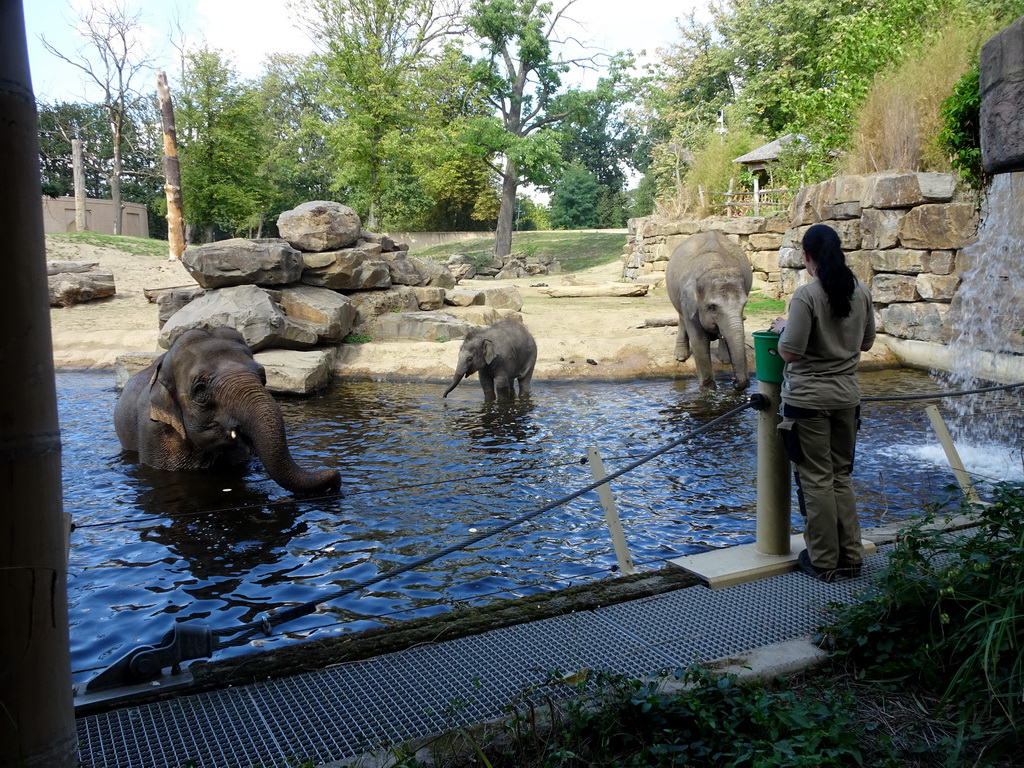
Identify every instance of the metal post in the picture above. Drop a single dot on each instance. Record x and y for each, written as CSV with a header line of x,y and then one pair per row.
x,y
773,485
37,724
611,514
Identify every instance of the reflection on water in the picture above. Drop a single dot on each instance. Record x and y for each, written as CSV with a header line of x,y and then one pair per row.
x,y
420,473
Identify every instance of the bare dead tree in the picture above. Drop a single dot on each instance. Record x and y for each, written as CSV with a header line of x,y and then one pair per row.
x,y
111,59
172,170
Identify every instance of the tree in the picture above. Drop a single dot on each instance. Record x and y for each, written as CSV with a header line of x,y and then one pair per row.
x,y
300,162
574,202
223,146
372,52
520,77
115,58
603,141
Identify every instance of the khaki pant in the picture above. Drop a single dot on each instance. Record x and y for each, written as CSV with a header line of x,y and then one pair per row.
x,y
821,445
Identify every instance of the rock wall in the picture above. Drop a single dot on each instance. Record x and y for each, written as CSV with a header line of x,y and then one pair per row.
x,y
296,298
903,234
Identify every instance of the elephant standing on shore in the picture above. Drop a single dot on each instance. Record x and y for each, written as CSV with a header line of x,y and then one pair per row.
x,y
502,354
204,404
708,280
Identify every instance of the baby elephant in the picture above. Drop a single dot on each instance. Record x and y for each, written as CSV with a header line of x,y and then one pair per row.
x,y
500,353
708,280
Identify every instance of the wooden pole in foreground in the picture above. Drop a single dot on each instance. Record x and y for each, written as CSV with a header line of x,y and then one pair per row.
x,y
946,441
172,171
37,723
611,514
773,490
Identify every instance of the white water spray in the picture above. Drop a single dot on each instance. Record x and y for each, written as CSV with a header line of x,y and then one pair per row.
x,y
986,319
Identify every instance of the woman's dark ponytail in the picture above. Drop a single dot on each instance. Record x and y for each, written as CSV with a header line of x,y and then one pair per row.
x,y
821,243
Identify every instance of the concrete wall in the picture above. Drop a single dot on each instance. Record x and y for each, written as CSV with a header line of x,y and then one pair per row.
x,y
426,239
59,216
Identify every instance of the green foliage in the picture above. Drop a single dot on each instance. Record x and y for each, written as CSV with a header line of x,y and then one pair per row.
x,y
138,246
222,145
712,166
961,129
711,720
947,615
357,338
574,200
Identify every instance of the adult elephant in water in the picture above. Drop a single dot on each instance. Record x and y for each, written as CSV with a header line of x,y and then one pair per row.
x,y
204,404
708,280
502,354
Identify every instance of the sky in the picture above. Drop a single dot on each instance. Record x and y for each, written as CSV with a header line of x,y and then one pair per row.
x,y
249,30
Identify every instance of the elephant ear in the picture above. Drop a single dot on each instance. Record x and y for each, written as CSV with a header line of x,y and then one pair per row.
x,y
163,405
490,352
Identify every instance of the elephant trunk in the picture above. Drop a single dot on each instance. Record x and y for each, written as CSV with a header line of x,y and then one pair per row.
x,y
259,421
460,374
735,339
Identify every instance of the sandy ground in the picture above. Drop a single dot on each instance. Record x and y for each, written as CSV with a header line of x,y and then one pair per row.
x,y
569,331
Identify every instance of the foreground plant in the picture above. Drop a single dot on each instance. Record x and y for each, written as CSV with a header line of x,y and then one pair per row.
x,y
947,617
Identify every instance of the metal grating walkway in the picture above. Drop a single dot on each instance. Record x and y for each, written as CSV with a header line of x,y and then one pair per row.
x,y
336,713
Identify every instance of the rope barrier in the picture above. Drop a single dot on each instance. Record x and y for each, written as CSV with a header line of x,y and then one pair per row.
x,y
247,631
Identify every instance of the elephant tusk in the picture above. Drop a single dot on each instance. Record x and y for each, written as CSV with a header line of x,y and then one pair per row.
x,y
234,434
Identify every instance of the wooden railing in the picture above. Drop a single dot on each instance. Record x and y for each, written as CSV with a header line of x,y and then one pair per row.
x,y
746,203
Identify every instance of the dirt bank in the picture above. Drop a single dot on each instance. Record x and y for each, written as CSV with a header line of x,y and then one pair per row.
x,y
588,337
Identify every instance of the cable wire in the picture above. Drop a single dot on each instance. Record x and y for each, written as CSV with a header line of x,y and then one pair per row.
x,y
264,625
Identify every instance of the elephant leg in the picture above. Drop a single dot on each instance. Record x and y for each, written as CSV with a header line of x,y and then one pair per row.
x,y
682,343
503,387
701,345
524,384
487,383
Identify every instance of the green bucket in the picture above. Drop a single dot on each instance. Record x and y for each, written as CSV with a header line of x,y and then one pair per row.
x,y
768,362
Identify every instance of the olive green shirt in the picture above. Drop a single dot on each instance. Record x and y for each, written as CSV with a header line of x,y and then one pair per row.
x,y
825,376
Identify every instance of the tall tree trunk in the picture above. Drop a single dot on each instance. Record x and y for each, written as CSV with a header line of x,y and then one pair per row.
x,y
507,211
78,173
172,171
115,185
37,719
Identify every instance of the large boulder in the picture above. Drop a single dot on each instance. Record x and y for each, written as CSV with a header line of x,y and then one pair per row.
x,y
372,304
296,372
76,282
249,310
359,268
243,262
171,300
320,225
420,326
433,273
1002,94
328,313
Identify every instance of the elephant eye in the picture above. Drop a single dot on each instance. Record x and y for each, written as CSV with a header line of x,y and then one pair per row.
x,y
200,392
712,307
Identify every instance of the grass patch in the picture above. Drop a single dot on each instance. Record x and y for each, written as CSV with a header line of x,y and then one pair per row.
x,y
357,338
575,251
137,246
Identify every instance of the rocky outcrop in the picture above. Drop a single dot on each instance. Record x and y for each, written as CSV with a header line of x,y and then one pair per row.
x,y
296,298
1001,83
243,262
320,225
74,282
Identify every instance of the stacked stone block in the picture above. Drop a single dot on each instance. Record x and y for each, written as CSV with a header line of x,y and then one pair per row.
x,y
902,233
652,240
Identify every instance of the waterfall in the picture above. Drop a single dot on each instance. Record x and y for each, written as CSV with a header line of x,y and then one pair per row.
x,y
986,319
